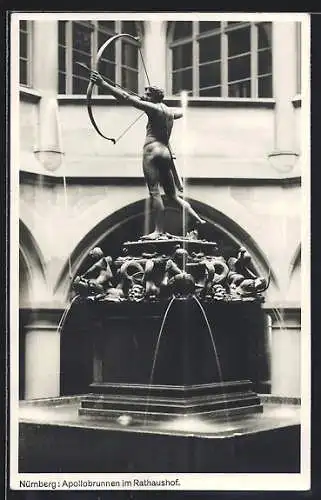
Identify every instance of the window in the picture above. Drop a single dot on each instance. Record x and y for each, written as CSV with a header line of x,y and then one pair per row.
x,y
25,53
79,41
221,59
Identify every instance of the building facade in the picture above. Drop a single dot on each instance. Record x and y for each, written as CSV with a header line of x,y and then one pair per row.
x,y
239,147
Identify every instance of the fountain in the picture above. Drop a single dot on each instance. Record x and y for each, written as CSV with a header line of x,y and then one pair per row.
x,y
172,325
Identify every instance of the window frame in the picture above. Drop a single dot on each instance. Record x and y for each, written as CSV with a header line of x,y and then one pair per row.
x,y
222,32
28,59
94,26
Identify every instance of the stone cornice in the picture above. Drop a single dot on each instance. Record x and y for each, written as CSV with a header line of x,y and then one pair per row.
x,y
194,102
53,180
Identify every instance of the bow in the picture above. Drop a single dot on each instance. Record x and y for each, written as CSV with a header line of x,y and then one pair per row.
x,y
91,85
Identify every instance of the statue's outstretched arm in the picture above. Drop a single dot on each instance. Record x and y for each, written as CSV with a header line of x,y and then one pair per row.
x,y
121,94
177,114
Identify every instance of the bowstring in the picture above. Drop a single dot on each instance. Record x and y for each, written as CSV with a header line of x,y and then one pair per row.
x,y
144,66
130,126
134,93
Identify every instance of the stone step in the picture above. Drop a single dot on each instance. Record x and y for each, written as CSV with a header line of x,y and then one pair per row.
x,y
169,406
102,398
173,391
139,416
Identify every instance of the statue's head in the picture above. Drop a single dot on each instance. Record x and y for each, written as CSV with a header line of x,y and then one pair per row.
x,y
261,284
153,94
244,255
96,253
180,256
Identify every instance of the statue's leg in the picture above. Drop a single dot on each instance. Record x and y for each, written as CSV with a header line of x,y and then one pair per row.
x,y
151,174
168,184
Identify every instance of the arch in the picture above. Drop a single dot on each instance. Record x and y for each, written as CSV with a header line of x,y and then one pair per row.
x,y
294,277
236,232
30,251
295,261
31,260
130,216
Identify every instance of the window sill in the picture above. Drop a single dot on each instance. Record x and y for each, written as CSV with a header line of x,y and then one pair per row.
x,y
224,102
215,102
296,101
29,95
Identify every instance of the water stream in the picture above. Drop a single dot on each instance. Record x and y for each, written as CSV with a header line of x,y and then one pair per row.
x,y
66,214
218,364
155,355
184,97
65,314
216,355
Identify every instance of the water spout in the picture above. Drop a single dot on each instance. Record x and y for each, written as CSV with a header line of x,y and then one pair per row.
x,y
65,314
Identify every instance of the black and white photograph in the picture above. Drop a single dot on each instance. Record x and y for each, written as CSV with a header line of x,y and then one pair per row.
x,y
159,251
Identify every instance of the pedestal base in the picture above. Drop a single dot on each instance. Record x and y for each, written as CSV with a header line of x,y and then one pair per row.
x,y
146,403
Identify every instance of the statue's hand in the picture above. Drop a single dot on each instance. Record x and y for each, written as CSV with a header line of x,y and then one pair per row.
x,y
96,78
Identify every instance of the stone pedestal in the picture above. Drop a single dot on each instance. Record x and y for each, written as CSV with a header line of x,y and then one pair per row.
x,y
172,334
174,361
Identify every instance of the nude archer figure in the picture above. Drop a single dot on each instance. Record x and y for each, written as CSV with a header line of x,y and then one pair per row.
x,y
157,157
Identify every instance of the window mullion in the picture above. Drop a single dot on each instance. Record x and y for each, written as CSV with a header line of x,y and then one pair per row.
x,y
195,59
142,45
224,60
118,56
170,70
254,60
29,53
69,50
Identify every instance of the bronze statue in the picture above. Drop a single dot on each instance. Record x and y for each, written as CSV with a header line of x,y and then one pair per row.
x,y
158,160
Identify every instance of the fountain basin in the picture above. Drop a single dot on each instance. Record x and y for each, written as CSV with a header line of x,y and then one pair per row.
x,y
55,439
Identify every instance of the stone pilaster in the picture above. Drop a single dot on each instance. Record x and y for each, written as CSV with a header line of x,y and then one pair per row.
x,y
42,353
284,154
45,78
155,52
285,335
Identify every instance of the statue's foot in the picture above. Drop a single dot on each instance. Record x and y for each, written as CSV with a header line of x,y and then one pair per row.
x,y
170,236
201,221
155,235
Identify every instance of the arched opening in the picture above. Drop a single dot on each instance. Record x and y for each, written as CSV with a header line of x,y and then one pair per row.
x,y
127,224
31,275
294,289
24,297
